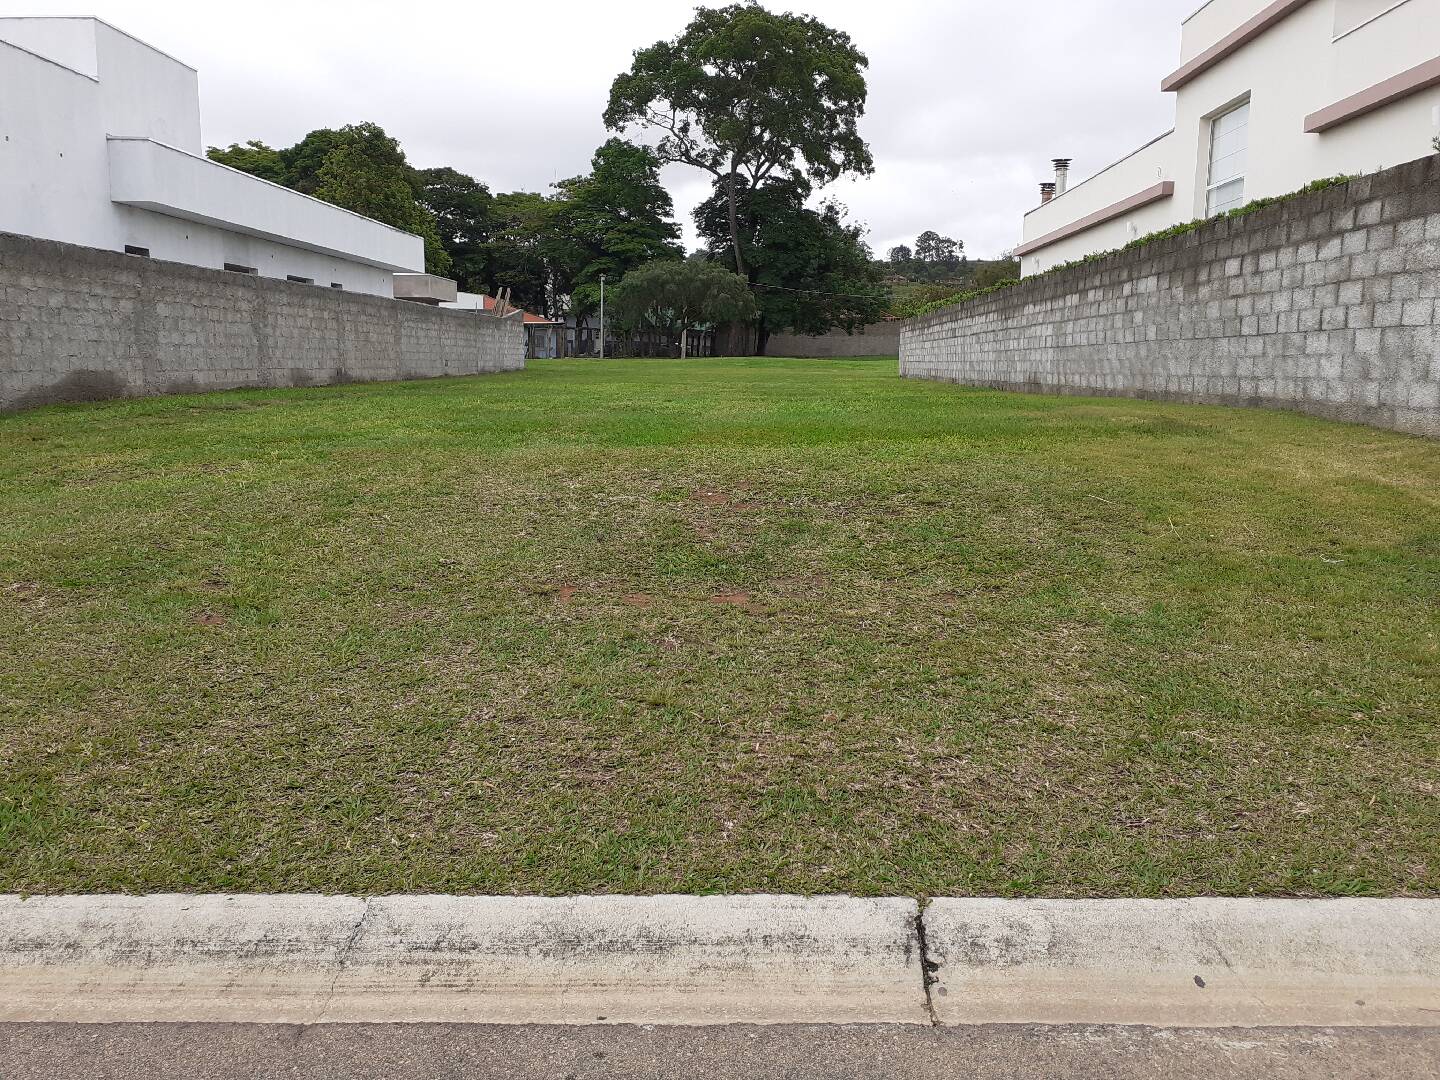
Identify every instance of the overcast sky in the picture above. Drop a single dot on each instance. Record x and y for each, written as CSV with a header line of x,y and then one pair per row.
x,y
969,99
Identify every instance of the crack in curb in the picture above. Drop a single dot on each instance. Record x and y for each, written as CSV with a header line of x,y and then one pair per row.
x,y
928,967
342,958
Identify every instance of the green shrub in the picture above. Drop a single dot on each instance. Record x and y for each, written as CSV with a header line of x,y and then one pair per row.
x,y
960,298
1164,234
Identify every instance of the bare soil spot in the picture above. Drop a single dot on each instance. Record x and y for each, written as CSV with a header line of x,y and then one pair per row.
x,y
209,618
565,593
724,500
732,599
804,582
637,600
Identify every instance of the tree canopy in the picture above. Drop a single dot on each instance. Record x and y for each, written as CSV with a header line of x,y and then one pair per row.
x,y
255,158
618,217
750,97
675,296
931,247
463,209
812,268
934,259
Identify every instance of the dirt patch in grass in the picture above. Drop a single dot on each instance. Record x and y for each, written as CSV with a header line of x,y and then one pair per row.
x,y
732,599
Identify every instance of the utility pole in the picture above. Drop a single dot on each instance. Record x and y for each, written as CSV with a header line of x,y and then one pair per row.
x,y
602,316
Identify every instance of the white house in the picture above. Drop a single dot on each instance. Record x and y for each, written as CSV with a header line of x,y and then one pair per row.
x,y
1269,95
101,147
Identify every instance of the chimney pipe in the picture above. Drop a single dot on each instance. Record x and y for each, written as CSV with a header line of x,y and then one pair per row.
x,y
1062,174
1047,192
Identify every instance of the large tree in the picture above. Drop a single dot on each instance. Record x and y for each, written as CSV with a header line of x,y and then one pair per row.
x,y
931,247
750,97
465,219
530,252
676,296
617,218
811,268
900,256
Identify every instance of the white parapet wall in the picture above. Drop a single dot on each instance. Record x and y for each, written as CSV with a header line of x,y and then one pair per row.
x,y
100,145
165,180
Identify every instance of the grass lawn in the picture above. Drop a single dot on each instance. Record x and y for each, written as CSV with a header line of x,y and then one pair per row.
x,y
652,626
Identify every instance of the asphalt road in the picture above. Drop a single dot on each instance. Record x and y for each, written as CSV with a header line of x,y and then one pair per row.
x,y
441,1051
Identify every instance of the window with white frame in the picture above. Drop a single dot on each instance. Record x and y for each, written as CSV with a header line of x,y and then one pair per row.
x,y
1229,140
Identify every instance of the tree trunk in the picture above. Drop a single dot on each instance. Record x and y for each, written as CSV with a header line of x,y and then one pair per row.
x,y
733,202
684,343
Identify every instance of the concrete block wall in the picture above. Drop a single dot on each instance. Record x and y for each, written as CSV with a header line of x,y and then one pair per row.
x,y
877,339
1328,303
78,323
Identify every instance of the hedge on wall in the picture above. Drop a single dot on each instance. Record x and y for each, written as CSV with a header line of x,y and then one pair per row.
x,y
1164,234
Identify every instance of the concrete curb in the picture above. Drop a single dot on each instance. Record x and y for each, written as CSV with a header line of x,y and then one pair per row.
x,y
1186,963
435,959
678,960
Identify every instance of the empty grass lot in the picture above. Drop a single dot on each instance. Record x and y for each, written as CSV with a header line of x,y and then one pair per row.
x,y
654,626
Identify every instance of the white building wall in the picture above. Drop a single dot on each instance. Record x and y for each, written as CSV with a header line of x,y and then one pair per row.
x,y
52,153
1141,170
68,42
147,93
55,170
1297,68
152,176
466,301
1321,53
1212,21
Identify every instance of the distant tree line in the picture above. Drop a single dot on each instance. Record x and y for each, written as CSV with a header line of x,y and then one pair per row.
x,y
766,104
935,269
933,258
